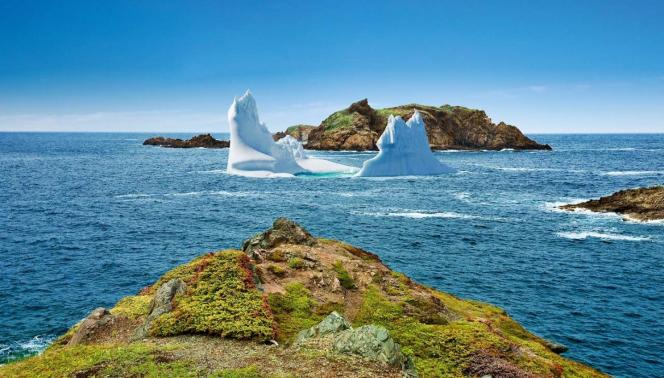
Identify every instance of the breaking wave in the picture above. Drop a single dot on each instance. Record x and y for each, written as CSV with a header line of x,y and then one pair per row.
x,y
582,235
633,173
223,193
420,215
37,344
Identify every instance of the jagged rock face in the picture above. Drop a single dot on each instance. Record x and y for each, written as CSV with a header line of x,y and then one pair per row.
x,y
449,127
203,140
282,231
644,204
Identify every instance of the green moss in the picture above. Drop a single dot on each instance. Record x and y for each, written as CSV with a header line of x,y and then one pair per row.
x,y
326,308
343,276
377,308
277,270
220,299
277,256
245,372
293,311
339,120
135,360
133,307
296,263
387,112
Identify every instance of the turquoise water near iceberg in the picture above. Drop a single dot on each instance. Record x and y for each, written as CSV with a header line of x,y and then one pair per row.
x,y
86,219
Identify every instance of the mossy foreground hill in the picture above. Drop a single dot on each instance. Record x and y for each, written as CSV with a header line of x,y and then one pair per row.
x,y
291,305
448,127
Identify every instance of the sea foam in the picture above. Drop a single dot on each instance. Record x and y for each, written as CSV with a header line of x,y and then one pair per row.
x,y
582,235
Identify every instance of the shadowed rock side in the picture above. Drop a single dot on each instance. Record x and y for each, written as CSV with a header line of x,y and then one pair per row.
x,y
293,305
203,140
448,127
299,132
643,204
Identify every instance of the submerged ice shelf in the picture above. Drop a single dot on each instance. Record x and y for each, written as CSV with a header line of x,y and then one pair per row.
x,y
253,152
404,151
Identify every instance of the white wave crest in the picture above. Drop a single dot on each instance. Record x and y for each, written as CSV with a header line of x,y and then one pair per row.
x,y
421,215
633,173
582,235
224,193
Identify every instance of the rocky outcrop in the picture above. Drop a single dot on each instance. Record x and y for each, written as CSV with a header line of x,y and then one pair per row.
x,y
448,127
643,204
299,132
282,231
93,323
324,308
199,141
161,303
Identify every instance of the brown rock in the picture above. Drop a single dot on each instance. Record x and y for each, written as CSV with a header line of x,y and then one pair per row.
x,y
97,320
644,204
203,140
299,132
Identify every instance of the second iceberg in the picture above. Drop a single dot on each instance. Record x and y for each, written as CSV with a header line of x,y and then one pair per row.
x,y
404,151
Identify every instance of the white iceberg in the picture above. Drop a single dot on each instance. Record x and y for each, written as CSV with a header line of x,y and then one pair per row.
x,y
254,153
404,151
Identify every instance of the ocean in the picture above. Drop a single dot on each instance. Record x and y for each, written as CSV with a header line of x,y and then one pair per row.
x,y
87,218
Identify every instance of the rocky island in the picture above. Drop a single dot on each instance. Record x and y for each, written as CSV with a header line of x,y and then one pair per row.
x,y
199,141
642,204
290,304
359,126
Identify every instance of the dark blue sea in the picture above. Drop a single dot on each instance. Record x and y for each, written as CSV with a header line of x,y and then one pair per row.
x,y
86,219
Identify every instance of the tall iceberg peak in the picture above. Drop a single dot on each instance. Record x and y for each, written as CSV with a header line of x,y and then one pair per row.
x,y
404,151
254,153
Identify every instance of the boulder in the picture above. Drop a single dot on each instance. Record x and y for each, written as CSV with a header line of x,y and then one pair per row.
x,y
555,347
369,341
372,342
98,319
333,323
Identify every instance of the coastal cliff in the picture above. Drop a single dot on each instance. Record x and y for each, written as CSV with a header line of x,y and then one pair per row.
x,y
290,304
199,141
448,127
643,204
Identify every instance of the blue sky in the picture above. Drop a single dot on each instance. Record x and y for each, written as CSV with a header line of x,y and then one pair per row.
x,y
554,66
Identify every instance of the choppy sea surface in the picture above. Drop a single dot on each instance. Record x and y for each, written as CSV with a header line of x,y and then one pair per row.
x,y
86,219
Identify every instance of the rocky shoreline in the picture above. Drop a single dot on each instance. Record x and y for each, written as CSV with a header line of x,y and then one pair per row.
x,y
199,141
290,304
642,204
358,127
